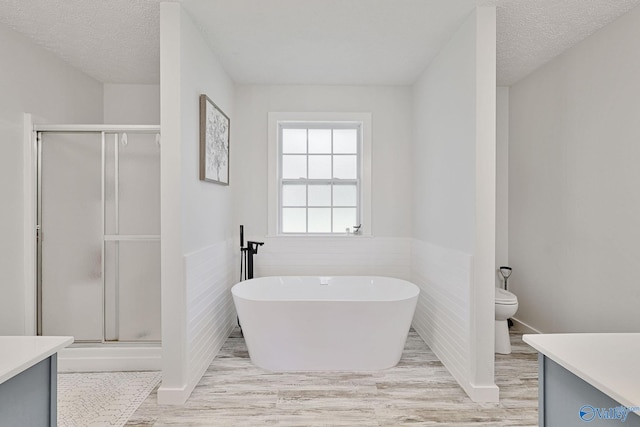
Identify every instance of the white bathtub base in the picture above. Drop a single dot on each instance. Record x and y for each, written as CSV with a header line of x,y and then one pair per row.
x,y
350,324
318,338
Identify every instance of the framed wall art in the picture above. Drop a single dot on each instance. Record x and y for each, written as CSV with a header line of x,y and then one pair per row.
x,y
214,142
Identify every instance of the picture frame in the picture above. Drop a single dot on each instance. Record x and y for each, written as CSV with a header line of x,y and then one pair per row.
x,y
214,142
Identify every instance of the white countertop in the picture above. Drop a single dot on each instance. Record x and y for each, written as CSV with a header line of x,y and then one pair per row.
x,y
19,353
609,362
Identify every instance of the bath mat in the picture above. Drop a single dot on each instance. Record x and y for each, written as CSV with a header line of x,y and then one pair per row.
x,y
100,399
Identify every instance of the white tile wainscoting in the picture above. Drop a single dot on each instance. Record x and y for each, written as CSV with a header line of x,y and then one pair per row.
x,y
333,256
442,315
211,315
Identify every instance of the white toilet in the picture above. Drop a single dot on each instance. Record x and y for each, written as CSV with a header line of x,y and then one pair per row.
x,y
506,307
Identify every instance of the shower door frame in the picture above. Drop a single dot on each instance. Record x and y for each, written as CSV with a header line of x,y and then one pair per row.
x,y
103,130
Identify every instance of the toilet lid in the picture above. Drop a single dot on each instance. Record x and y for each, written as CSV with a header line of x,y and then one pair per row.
x,y
505,297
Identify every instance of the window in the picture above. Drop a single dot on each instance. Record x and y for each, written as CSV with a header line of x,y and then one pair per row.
x,y
319,176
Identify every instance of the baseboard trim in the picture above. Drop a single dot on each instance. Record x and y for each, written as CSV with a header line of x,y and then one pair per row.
x,y
173,395
101,359
478,394
483,394
523,327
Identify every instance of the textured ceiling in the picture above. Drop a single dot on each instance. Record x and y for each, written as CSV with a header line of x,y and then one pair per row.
x,y
532,32
304,41
114,41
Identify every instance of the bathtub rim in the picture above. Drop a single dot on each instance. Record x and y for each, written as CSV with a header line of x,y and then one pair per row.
x,y
414,294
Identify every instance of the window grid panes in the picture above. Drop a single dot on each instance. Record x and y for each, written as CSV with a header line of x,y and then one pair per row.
x,y
319,177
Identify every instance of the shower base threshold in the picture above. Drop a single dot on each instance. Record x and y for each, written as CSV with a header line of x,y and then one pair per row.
x,y
110,357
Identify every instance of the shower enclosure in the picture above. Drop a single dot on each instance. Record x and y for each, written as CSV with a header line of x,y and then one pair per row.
x,y
98,233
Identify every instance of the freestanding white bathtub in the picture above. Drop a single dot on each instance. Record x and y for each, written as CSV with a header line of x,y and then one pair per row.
x,y
341,323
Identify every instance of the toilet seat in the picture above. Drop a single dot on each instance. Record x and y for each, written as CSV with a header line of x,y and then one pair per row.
x,y
505,297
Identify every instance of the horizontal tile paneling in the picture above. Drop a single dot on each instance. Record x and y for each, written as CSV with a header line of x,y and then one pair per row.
x,y
442,312
285,256
211,314
443,275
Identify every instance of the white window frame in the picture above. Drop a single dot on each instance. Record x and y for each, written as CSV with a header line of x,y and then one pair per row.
x,y
274,156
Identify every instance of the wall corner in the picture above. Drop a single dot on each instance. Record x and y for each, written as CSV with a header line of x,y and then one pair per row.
x,y
482,358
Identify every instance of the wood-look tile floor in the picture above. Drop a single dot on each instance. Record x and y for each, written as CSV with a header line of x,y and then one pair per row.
x,y
419,391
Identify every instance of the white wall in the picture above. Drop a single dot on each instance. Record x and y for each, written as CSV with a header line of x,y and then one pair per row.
x,y
390,108
35,81
197,256
502,181
453,250
444,150
574,202
131,104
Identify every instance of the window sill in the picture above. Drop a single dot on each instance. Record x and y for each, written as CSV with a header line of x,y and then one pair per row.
x,y
319,236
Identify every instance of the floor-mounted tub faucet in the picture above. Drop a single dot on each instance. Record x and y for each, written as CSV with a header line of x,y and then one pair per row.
x,y
246,258
252,249
246,255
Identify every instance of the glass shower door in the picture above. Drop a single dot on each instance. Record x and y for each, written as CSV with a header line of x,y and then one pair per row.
x,y
99,245
132,237
70,200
